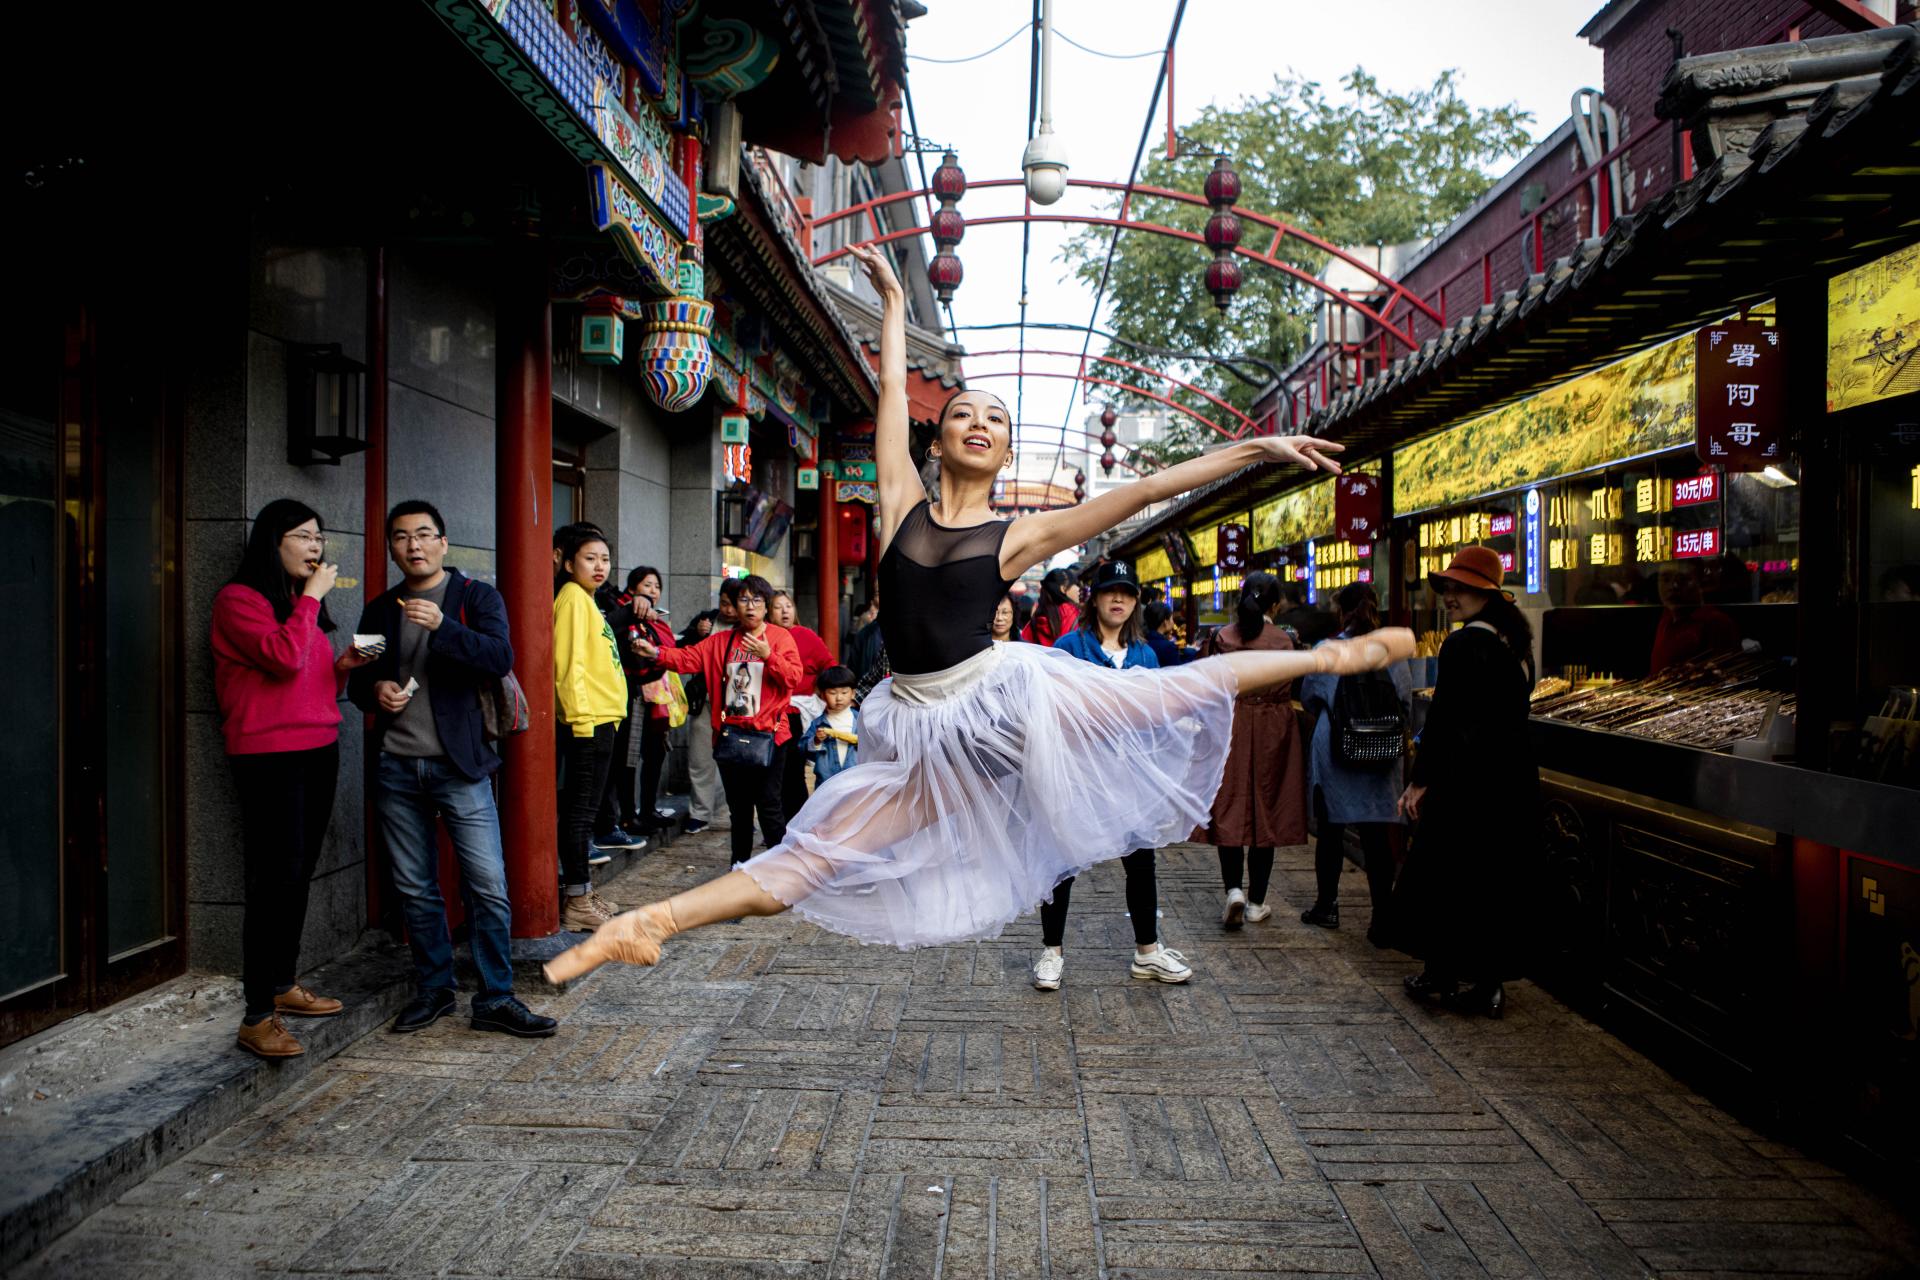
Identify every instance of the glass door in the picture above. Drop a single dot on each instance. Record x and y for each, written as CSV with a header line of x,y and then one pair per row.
x,y
91,832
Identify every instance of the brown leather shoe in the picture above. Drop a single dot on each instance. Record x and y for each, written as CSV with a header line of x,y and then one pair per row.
x,y
269,1038
305,1003
579,914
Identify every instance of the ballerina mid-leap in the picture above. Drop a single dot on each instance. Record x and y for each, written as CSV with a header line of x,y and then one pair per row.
x,y
988,772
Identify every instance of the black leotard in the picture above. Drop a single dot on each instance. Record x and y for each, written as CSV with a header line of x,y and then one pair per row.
x,y
938,590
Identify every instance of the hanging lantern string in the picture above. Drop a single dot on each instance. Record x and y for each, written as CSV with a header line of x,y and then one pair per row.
x,y
975,57
1133,175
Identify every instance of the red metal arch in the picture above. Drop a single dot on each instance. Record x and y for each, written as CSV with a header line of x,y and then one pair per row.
x,y
1247,424
1067,432
1397,294
1131,390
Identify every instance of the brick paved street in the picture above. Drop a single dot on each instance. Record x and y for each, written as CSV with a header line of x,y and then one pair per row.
x,y
773,1100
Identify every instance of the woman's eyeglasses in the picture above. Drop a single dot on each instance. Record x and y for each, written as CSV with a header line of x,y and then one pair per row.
x,y
315,540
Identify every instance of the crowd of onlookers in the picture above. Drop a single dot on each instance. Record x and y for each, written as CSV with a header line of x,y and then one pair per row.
x,y
745,710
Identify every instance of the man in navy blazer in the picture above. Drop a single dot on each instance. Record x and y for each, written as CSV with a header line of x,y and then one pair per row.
x,y
446,641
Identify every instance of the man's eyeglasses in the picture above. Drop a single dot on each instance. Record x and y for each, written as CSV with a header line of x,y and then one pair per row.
x,y
415,539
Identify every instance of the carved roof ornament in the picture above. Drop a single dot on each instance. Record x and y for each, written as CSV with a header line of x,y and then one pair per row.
x,y
1728,99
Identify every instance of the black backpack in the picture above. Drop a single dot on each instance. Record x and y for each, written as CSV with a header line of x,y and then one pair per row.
x,y
1369,725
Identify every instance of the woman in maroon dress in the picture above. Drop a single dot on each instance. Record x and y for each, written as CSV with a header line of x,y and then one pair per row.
x,y
1262,798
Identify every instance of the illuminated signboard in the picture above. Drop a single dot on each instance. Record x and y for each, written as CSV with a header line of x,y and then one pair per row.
x,y
1873,331
1506,561
1154,565
1690,544
1499,525
1294,517
1313,561
1231,540
1739,395
1694,490
1365,575
1638,405
1357,503
1535,534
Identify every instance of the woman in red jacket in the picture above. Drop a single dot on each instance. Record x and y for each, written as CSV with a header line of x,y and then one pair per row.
x,y
278,687
1058,612
815,658
752,671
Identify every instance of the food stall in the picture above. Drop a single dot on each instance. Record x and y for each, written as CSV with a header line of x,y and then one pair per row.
x,y
1693,833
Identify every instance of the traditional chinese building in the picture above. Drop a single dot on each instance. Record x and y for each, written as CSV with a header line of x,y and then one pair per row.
x,y
1689,437
515,257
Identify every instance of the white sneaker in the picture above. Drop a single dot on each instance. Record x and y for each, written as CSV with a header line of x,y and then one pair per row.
x,y
1047,969
1257,912
1161,965
1236,909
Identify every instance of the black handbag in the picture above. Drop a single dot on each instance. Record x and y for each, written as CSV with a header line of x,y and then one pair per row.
x,y
1369,724
739,745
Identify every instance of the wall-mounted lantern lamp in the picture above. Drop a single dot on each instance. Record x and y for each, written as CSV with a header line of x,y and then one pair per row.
x,y
733,514
326,406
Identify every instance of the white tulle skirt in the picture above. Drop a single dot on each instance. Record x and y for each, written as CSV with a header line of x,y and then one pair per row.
x,y
981,787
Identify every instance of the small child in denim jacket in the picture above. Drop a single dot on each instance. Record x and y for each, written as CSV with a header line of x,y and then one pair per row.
x,y
832,740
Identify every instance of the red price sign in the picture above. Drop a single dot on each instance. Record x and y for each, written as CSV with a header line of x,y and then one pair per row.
x,y
1739,392
1499,525
1232,544
1695,490
1691,544
1358,507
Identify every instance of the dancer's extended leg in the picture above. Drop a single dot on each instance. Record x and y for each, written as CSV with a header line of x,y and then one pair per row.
x,y
1262,669
634,937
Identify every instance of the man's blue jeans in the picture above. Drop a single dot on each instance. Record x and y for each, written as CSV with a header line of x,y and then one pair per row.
x,y
412,793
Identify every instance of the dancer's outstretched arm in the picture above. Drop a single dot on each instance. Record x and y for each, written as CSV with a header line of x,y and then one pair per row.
x,y
900,487
1035,539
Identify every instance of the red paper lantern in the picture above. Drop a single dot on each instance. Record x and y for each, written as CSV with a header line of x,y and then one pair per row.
x,y
1223,232
944,272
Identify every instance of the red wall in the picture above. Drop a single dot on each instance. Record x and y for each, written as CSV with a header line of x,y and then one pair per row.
x,y
1638,55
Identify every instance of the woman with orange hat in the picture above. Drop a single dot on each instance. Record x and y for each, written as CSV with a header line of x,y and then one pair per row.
x,y
1475,795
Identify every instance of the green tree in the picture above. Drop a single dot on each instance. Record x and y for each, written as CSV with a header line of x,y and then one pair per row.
x,y
1370,167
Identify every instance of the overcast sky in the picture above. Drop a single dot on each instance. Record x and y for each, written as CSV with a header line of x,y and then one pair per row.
x,y
1521,51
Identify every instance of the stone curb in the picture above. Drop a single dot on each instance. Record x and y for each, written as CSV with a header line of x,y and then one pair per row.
x,y
70,1157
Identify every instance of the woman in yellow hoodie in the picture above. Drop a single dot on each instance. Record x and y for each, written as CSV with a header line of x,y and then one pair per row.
x,y
592,694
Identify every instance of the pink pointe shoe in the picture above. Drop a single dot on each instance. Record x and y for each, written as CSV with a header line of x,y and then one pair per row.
x,y
632,937
1369,652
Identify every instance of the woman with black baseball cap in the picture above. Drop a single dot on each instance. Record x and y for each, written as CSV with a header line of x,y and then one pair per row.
x,y
1459,904
1111,634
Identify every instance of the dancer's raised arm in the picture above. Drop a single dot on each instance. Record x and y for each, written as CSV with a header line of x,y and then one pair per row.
x,y
900,486
1036,539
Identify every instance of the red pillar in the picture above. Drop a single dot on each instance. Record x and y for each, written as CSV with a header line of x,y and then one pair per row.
x,y
523,485
826,544
374,567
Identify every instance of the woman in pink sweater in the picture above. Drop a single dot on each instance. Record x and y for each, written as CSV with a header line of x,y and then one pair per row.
x,y
278,686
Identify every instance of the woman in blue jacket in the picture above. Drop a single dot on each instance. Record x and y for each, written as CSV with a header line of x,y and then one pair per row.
x,y
1111,633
